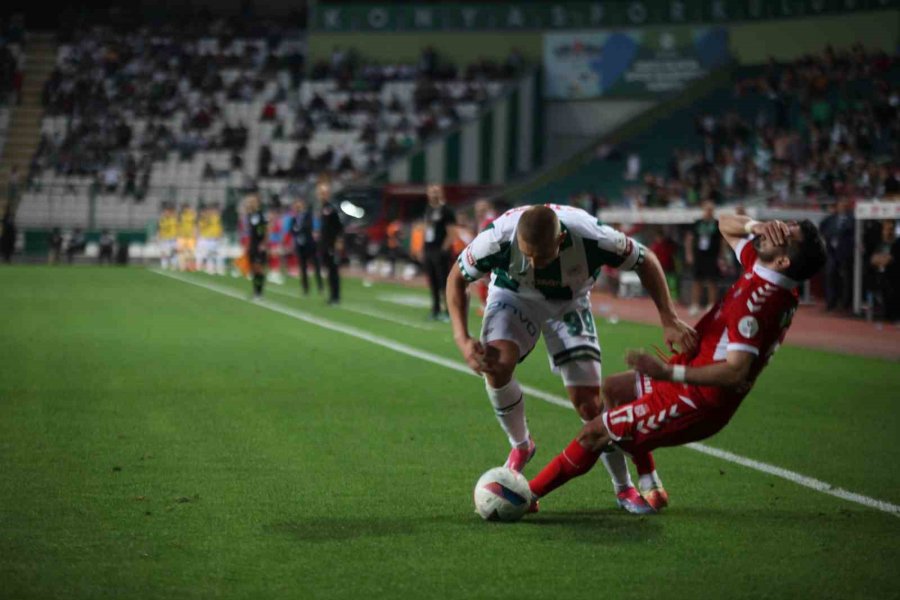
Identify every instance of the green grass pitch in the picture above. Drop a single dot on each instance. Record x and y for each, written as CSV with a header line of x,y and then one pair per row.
x,y
161,440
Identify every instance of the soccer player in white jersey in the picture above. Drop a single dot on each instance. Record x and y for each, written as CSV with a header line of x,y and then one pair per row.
x,y
544,261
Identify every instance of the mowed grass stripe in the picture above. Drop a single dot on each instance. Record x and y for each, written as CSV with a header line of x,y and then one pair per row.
x,y
776,471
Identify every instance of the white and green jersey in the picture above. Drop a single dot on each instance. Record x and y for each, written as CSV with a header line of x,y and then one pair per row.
x,y
588,246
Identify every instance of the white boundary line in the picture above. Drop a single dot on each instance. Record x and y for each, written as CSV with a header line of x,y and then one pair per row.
x,y
367,312
809,482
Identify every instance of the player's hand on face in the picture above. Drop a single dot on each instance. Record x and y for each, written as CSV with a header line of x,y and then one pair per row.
x,y
646,364
776,231
680,337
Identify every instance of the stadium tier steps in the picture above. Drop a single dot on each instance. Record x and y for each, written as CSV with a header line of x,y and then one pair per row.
x,y
22,123
58,197
4,127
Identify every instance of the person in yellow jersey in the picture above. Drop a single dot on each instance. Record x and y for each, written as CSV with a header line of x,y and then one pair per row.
x,y
202,253
216,234
167,235
209,257
187,240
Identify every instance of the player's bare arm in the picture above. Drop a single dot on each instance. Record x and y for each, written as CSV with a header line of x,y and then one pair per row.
x,y
735,228
458,306
730,373
679,335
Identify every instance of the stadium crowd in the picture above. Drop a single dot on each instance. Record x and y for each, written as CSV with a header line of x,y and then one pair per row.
x,y
173,78
828,127
122,99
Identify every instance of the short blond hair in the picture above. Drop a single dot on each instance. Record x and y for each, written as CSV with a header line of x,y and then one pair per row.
x,y
539,226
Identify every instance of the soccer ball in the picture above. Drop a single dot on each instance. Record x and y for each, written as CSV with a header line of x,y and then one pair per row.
x,y
502,494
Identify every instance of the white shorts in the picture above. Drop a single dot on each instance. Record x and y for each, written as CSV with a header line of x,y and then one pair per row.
x,y
168,248
568,328
206,248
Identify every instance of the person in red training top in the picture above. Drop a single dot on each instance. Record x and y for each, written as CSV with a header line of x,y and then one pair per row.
x,y
691,396
484,216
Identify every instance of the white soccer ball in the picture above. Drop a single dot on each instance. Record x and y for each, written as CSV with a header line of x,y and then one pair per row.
x,y
502,494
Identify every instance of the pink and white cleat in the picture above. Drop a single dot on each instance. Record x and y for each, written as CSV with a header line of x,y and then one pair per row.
x,y
519,457
631,500
657,498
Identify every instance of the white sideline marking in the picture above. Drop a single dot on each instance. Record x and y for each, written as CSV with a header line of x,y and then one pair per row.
x,y
413,300
377,314
809,482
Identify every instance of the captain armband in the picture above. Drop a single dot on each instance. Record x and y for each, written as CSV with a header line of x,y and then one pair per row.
x,y
642,253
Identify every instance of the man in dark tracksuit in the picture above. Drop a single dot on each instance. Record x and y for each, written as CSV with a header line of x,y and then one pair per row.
x,y
839,231
440,231
305,244
331,242
257,246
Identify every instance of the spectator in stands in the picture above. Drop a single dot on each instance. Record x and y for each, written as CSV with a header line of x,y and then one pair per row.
x,y
701,248
633,167
107,244
54,244
7,235
76,245
14,187
886,262
838,230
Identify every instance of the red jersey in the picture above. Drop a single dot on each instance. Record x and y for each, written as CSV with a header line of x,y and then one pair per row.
x,y
753,317
488,219
665,250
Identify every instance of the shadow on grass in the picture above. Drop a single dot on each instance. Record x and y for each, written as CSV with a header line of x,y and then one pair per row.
x,y
596,526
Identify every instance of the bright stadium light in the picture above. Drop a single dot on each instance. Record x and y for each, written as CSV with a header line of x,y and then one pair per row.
x,y
357,212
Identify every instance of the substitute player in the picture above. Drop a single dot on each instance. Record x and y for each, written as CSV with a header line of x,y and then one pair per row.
x,y
168,237
209,227
257,242
187,237
694,394
545,260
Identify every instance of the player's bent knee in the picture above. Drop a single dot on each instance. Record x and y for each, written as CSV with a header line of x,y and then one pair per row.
x,y
586,400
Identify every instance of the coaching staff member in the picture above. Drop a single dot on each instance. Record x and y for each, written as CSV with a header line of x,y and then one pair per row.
x,y
257,245
331,243
440,231
702,247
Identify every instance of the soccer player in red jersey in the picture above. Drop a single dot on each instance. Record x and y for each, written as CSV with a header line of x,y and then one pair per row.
x,y
691,396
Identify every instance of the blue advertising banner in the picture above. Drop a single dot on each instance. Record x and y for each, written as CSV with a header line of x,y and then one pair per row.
x,y
630,63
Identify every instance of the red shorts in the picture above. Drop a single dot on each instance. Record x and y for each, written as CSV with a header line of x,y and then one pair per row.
x,y
665,414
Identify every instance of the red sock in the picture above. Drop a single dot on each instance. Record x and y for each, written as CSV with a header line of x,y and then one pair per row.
x,y
644,463
575,460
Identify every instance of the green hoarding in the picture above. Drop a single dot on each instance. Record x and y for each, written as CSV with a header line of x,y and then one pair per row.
x,y
572,15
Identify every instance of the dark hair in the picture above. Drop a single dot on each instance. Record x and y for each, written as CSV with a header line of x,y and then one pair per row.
x,y
808,255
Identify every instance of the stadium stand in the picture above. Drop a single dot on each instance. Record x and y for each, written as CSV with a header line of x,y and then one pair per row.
x,y
784,134
12,59
179,113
